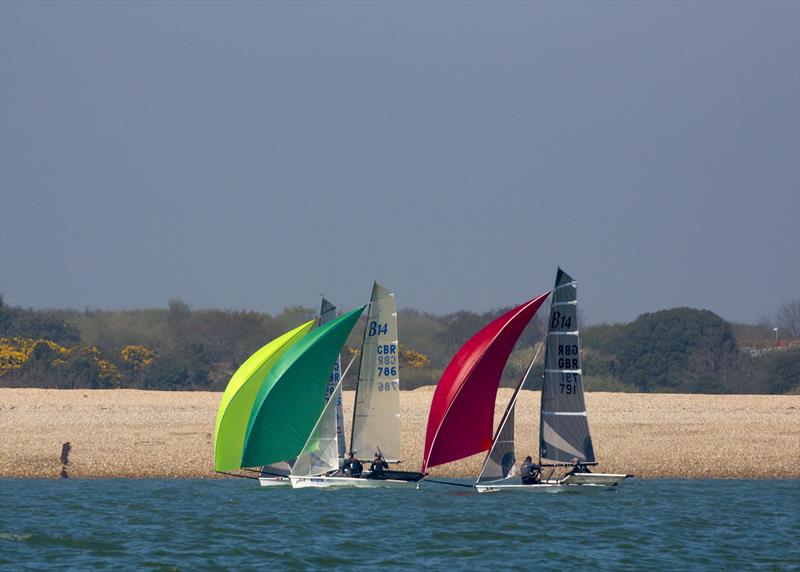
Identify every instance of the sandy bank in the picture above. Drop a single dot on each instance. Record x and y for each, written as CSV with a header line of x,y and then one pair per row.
x,y
130,433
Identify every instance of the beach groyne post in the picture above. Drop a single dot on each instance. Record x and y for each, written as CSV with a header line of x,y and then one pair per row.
x,y
65,449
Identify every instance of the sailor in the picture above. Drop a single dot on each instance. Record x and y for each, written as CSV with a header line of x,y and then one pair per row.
x,y
530,472
578,468
377,466
352,467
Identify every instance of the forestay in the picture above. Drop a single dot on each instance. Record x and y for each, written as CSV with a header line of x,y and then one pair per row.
x,y
564,428
376,415
326,314
320,454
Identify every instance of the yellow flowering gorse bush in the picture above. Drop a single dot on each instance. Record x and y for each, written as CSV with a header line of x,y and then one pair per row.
x,y
15,352
138,356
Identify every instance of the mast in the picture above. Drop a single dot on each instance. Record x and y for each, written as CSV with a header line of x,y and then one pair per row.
x,y
327,313
376,412
563,422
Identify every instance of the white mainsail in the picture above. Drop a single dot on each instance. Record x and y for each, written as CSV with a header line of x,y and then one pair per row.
x,y
326,314
376,415
320,455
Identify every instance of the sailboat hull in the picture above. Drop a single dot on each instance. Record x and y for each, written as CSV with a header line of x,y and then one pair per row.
x,y
594,479
274,481
583,482
331,482
540,488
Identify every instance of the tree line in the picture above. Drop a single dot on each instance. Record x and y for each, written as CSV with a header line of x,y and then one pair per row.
x,y
681,350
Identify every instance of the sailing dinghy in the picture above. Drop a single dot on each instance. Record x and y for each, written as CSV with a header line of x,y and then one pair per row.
x,y
376,414
278,473
564,438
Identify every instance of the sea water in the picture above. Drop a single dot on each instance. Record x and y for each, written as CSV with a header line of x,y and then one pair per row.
x,y
235,524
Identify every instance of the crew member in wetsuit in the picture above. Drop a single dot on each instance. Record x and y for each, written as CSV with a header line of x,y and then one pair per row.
x,y
578,468
377,467
530,472
352,467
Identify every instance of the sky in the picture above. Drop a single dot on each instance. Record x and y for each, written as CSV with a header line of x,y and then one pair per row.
x,y
252,155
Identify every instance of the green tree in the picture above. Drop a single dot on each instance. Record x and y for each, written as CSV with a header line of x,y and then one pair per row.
x,y
655,350
36,324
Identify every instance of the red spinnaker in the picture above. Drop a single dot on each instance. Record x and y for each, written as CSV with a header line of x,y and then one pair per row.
x,y
462,411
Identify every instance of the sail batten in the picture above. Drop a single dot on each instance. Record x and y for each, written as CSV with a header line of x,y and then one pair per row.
x,y
462,411
564,426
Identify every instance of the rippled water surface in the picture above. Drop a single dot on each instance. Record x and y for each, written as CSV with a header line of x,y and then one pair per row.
x,y
226,524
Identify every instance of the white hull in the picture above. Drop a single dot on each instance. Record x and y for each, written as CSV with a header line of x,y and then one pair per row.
x,y
329,482
594,479
571,483
274,481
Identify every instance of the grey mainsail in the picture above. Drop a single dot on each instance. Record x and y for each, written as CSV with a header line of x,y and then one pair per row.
x,y
279,469
376,414
564,426
326,314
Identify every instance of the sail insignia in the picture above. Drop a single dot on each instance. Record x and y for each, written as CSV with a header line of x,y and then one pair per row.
x,y
376,413
564,427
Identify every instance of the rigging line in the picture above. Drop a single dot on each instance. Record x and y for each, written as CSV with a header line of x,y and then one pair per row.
x,y
237,475
348,365
262,472
449,483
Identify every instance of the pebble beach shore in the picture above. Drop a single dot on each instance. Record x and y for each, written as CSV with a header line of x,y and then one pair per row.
x,y
158,434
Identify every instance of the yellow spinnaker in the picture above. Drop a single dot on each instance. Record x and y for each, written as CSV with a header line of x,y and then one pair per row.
x,y
240,395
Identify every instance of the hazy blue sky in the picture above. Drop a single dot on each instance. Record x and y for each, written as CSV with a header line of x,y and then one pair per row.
x,y
252,155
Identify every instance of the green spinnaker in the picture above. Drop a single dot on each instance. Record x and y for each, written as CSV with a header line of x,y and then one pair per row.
x,y
291,399
240,395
